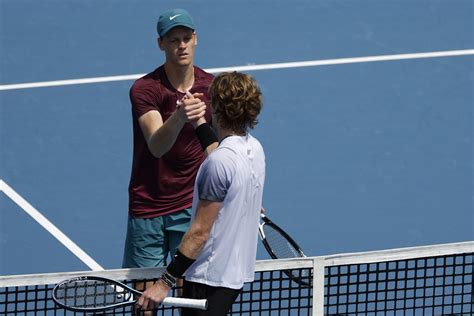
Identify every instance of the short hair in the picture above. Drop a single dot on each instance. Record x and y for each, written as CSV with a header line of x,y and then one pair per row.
x,y
236,101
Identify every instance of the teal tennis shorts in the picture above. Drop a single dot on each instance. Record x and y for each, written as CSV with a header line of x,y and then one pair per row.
x,y
149,241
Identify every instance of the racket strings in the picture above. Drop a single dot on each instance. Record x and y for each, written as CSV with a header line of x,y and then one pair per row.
x,y
91,294
283,248
279,244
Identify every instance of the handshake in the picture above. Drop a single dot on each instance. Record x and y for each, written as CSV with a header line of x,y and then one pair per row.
x,y
192,109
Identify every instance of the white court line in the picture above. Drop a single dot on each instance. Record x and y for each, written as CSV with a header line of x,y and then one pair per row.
x,y
50,227
311,63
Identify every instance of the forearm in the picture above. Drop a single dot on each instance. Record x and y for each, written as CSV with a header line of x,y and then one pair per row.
x,y
161,141
206,136
195,238
191,246
193,242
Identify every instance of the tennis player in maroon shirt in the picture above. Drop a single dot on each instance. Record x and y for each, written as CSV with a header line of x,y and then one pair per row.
x,y
171,136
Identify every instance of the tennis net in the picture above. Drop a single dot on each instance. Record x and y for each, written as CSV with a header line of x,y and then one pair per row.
x,y
429,280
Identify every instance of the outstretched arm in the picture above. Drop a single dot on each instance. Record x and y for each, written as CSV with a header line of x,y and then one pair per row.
x,y
205,134
161,136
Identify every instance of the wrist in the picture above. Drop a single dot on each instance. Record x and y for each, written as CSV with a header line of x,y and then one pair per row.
x,y
168,280
205,135
179,112
179,117
199,122
179,265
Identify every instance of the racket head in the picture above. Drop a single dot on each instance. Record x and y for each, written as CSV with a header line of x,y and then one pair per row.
x,y
93,294
280,245
277,242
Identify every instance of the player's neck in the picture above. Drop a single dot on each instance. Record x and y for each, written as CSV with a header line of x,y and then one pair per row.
x,y
224,133
181,78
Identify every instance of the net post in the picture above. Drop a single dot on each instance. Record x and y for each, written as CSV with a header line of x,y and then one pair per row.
x,y
318,286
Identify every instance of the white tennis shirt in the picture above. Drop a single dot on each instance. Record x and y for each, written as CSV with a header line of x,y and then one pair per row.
x,y
234,174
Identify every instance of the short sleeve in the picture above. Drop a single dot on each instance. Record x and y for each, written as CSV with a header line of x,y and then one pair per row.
x,y
143,99
215,176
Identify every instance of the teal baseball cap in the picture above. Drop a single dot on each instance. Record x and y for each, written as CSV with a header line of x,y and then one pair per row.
x,y
173,18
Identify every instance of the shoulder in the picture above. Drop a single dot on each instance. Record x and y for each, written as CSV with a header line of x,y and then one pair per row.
x,y
150,81
202,76
222,158
244,147
152,87
255,143
221,154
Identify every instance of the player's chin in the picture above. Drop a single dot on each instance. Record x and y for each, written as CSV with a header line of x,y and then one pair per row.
x,y
184,60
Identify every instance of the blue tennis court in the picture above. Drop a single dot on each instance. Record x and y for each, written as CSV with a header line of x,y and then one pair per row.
x,y
362,154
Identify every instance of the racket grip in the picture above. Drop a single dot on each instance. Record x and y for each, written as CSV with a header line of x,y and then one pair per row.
x,y
185,302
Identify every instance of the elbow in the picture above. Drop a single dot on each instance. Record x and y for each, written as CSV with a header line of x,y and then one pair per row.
x,y
155,152
200,237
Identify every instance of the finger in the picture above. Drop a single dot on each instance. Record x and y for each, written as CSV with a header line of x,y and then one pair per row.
x,y
140,301
150,305
195,102
153,305
196,111
196,117
145,304
189,95
201,106
138,309
192,102
198,94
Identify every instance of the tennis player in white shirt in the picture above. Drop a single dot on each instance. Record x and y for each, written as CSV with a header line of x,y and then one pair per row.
x,y
217,254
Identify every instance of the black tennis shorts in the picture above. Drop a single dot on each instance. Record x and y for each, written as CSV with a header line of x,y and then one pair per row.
x,y
219,299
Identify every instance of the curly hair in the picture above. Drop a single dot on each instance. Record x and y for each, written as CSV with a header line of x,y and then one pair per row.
x,y
236,101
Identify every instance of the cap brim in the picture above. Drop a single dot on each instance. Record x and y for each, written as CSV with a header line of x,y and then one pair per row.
x,y
165,31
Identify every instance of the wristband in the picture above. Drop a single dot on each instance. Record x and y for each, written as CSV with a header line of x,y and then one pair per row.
x,y
179,265
206,135
168,279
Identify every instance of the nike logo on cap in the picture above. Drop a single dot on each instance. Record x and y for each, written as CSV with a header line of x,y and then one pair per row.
x,y
174,16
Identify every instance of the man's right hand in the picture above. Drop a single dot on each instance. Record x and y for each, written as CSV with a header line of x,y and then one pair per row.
x,y
191,108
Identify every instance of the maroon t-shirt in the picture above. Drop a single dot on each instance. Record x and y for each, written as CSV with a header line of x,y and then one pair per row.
x,y
160,186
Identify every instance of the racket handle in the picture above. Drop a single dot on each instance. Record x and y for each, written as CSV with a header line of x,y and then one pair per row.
x,y
185,302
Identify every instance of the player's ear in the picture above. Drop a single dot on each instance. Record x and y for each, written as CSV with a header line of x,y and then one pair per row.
x,y
159,41
195,39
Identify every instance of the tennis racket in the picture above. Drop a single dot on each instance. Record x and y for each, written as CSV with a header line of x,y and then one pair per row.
x,y
280,245
96,294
